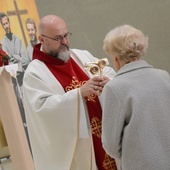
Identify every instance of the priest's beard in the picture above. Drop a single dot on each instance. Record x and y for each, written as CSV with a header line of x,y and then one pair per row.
x,y
64,56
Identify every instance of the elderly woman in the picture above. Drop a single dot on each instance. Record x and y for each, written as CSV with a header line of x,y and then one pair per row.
x,y
136,105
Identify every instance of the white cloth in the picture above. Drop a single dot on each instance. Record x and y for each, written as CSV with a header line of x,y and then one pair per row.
x,y
56,135
12,69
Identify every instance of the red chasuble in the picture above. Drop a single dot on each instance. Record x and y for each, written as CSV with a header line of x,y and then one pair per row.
x,y
71,76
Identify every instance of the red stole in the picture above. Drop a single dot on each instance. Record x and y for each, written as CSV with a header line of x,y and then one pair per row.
x,y
71,76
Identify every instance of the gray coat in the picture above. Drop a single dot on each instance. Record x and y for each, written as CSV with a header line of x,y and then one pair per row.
x,y
136,117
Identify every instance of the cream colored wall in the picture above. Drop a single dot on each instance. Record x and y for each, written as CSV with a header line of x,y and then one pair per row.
x,y
90,20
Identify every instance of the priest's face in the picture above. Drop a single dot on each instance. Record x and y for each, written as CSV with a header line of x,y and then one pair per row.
x,y
54,37
60,51
57,45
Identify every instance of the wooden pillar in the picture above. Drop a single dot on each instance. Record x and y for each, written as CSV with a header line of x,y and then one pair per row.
x,y
13,126
4,151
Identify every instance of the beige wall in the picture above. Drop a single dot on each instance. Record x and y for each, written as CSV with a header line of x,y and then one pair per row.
x,y
90,20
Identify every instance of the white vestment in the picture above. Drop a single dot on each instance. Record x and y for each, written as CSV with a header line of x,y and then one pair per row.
x,y
57,122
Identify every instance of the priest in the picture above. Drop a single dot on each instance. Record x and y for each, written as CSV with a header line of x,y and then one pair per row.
x,y
62,103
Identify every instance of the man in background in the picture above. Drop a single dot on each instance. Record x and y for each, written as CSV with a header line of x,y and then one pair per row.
x,y
12,44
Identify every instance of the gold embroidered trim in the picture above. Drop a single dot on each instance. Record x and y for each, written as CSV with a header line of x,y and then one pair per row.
x,y
109,163
91,98
76,84
96,127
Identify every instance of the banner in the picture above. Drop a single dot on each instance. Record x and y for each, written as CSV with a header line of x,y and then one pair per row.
x,y
18,11
18,35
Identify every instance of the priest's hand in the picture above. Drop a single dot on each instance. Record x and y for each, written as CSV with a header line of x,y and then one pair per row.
x,y
105,80
93,86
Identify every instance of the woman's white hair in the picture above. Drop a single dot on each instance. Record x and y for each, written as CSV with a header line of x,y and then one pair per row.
x,y
126,43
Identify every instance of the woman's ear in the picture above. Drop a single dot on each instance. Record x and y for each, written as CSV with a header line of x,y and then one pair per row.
x,y
116,59
116,63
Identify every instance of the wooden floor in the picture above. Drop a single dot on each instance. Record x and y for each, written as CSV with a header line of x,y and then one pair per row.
x,y
6,164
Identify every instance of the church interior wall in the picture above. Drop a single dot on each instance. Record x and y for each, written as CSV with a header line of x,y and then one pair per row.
x,y
90,20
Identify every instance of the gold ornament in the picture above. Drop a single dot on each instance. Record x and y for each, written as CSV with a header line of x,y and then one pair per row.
x,y
96,68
